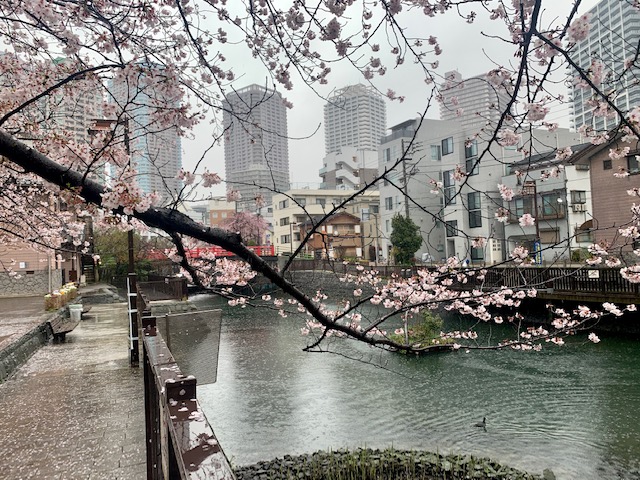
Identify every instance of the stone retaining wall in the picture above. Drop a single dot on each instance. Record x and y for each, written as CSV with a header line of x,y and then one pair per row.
x,y
36,283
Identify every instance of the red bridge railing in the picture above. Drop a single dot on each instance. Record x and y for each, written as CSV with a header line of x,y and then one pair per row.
x,y
261,250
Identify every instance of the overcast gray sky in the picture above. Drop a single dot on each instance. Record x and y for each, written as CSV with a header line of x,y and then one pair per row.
x,y
465,48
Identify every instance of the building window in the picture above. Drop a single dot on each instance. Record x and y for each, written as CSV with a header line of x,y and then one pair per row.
x,y
284,221
296,236
452,228
447,146
321,201
584,235
472,166
578,196
632,164
386,225
435,152
475,214
551,207
471,149
283,204
449,187
387,154
375,209
301,201
477,253
224,214
285,238
388,203
215,214
549,237
522,205
607,164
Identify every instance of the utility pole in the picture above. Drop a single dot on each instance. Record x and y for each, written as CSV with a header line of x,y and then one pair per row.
x,y
405,180
530,188
375,217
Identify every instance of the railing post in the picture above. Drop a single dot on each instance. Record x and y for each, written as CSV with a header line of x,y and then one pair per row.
x,y
132,296
151,410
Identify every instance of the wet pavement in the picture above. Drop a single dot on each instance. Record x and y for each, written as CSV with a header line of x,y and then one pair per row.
x,y
75,410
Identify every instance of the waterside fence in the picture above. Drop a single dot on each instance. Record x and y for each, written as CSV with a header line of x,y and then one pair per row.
x,y
573,283
180,441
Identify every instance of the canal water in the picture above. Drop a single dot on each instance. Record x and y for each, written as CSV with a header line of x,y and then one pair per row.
x,y
572,409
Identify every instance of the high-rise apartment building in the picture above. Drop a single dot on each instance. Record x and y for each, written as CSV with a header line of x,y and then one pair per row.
x,y
256,148
354,116
613,38
355,119
75,113
156,149
471,102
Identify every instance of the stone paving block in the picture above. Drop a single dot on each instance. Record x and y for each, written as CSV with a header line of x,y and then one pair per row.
x,y
133,458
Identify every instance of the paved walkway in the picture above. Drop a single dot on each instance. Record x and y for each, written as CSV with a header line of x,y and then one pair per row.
x,y
75,410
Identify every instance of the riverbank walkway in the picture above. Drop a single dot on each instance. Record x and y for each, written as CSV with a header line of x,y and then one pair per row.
x,y
74,410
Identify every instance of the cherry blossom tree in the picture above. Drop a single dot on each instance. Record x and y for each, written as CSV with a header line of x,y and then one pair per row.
x,y
173,56
249,226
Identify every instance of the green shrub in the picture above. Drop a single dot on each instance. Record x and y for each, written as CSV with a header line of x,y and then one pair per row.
x,y
426,331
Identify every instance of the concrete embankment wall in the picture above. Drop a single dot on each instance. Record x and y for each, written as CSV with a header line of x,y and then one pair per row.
x,y
17,353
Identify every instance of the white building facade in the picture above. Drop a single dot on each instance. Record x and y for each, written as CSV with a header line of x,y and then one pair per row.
x,y
448,185
354,116
558,195
349,168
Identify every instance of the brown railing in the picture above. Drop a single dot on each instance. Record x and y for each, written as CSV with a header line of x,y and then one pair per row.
x,y
583,280
180,441
587,283
340,267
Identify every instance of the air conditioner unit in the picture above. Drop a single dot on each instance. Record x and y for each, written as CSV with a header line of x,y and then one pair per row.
x,y
579,207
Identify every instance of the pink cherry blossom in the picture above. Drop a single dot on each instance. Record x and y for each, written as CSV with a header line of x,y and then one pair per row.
x,y
505,192
579,28
527,220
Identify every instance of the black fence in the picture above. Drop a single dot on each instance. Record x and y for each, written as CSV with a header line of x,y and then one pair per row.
x,y
156,287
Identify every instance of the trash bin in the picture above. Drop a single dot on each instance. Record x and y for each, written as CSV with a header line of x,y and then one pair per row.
x,y
75,311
